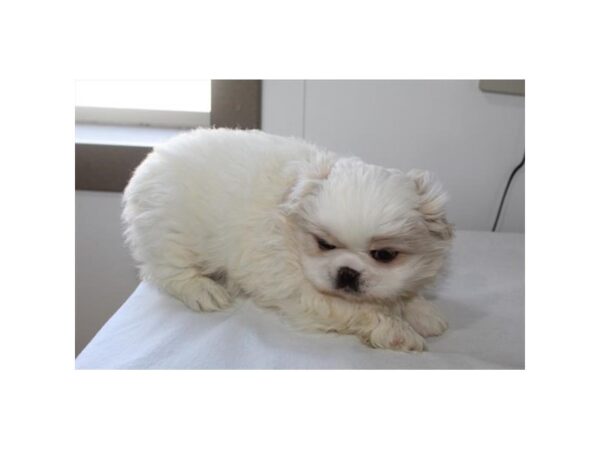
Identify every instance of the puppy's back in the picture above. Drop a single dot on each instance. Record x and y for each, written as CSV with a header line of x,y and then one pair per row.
x,y
205,184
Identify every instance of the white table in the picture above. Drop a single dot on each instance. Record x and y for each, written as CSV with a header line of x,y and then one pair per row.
x,y
482,297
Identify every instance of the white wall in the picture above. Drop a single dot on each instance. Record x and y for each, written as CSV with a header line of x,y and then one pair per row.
x,y
470,139
105,274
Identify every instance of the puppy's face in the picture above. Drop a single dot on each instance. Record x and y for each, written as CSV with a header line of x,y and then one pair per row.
x,y
366,233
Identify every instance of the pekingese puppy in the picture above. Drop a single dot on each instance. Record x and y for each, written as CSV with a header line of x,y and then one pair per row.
x,y
333,243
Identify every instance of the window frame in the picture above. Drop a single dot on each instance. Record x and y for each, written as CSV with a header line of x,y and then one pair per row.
x,y
147,117
141,117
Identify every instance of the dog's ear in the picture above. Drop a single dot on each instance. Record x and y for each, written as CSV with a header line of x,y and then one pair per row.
x,y
306,177
432,202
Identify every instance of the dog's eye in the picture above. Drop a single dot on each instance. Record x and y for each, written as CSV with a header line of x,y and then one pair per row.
x,y
324,245
384,255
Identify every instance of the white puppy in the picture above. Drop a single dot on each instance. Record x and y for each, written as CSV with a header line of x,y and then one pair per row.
x,y
333,243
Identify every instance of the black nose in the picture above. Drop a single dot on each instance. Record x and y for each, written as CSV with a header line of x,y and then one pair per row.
x,y
347,278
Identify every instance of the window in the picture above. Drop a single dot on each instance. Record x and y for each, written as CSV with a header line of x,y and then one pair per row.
x,y
106,152
172,103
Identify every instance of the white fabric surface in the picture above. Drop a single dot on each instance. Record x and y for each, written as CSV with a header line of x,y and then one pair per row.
x,y
482,297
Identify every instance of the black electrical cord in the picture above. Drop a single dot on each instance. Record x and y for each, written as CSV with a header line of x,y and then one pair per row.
x,y
515,170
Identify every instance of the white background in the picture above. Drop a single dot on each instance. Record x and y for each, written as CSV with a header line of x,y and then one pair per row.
x,y
470,139
551,404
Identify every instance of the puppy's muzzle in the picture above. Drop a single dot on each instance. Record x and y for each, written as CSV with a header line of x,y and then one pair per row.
x,y
347,279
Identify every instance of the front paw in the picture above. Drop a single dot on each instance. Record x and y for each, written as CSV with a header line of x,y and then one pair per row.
x,y
424,317
432,325
396,336
207,296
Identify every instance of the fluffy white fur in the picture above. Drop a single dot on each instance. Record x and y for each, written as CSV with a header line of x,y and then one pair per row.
x,y
215,213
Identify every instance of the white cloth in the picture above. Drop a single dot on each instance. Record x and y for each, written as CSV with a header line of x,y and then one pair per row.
x,y
482,297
